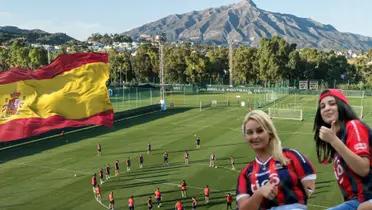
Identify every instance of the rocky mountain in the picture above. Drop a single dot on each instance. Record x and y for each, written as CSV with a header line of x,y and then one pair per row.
x,y
34,36
244,22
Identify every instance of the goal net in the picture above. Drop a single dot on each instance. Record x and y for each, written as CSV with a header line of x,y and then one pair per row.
x,y
358,110
213,103
354,93
204,105
271,96
289,114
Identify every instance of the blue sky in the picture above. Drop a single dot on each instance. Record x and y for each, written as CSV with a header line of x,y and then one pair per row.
x,y
80,18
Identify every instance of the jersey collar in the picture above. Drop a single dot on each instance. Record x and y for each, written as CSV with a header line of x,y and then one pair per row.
x,y
263,163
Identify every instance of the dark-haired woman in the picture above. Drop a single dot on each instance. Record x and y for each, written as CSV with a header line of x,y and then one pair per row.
x,y
342,138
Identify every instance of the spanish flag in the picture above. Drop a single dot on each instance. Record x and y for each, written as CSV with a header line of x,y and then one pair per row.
x,y
70,92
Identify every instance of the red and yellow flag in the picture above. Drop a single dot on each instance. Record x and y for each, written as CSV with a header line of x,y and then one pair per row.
x,y
70,92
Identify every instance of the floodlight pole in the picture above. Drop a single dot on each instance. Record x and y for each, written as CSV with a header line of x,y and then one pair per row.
x,y
162,88
161,40
48,51
231,62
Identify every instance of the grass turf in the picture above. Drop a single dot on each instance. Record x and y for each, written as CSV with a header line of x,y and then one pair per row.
x,y
41,175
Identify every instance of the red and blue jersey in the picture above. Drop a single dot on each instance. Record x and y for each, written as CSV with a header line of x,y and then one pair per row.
x,y
287,177
357,137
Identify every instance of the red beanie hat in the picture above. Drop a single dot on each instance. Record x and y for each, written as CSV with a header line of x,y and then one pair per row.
x,y
335,93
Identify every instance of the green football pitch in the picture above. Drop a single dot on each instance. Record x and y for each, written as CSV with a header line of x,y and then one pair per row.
x,y
41,175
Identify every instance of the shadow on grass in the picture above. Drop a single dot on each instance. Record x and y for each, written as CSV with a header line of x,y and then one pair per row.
x,y
76,135
172,196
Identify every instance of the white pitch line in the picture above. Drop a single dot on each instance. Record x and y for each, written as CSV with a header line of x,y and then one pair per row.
x,y
170,184
51,168
200,188
147,180
315,205
103,205
143,180
68,132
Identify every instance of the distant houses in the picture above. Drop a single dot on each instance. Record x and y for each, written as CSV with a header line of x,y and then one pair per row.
x,y
96,46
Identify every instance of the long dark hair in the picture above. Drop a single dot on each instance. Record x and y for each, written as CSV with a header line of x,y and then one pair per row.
x,y
325,152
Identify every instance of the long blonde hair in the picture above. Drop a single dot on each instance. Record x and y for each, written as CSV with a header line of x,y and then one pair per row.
x,y
275,145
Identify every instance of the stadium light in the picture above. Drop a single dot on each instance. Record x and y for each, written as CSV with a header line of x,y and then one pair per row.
x,y
231,60
161,40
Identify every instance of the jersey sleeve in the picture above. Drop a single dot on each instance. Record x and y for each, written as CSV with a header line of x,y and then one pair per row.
x,y
302,165
357,138
243,190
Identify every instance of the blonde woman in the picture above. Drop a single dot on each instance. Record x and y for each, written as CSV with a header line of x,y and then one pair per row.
x,y
277,179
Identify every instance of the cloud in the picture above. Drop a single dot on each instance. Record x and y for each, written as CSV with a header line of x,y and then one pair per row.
x,y
4,14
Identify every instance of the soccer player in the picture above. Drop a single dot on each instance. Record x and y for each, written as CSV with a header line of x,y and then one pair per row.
x,y
141,160
158,197
128,163
165,159
131,203
183,187
111,200
265,181
197,142
206,194
98,193
186,156
100,172
232,162
117,168
107,172
93,181
229,200
149,203
148,148
99,150
194,203
343,139
212,160
179,205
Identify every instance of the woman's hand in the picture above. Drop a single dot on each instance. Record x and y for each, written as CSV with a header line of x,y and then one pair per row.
x,y
268,191
309,186
328,134
358,164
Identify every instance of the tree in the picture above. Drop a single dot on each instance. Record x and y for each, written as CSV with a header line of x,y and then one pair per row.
x,y
38,57
121,38
218,63
106,39
19,54
109,38
127,66
295,66
175,64
196,67
311,64
146,63
245,65
95,37
273,57
4,59
337,68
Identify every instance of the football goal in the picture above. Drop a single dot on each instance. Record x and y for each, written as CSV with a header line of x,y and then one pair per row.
x,y
288,114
